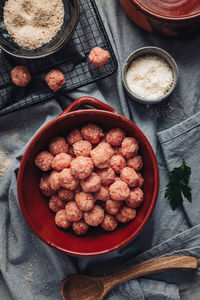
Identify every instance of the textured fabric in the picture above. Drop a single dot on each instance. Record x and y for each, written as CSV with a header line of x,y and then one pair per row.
x,y
29,269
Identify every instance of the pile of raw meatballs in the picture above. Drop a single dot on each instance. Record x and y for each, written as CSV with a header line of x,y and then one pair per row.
x,y
92,178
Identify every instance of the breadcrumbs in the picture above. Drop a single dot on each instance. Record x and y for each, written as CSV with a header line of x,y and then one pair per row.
x,y
32,24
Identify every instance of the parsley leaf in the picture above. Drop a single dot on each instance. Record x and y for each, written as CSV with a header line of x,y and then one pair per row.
x,y
178,185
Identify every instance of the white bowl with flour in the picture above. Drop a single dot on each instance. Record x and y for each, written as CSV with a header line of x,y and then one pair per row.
x,y
149,75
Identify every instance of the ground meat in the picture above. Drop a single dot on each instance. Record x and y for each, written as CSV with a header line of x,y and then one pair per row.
x,y
58,145
65,194
45,186
91,184
82,167
67,179
126,214
129,176
92,133
55,204
20,76
55,80
85,201
117,163
113,207
115,136
101,155
74,136
73,212
107,176
82,148
95,216
119,190
80,227
129,147
103,194
61,161
141,180
43,160
61,219
109,223
54,180
98,56
135,198
135,162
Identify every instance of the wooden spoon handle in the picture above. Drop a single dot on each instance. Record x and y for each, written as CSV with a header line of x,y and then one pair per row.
x,y
149,267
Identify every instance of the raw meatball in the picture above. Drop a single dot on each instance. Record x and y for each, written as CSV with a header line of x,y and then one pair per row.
x,y
73,212
113,207
119,190
136,198
45,186
80,227
54,180
74,136
109,223
67,179
129,147
55,204
126,214
20,76
65,194
117,163
115,136
85,201
55,80
107,176
141,180
82,167
101,155
135,162
82,148
61,219
103,194
43,160
91,184
61,161
98,56
58,145
92,133
129,176
95,216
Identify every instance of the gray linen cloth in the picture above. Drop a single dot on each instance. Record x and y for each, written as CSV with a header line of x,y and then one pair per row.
x,y
29,269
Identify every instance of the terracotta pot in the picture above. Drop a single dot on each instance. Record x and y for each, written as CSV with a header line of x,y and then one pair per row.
x,y
169,17
34,205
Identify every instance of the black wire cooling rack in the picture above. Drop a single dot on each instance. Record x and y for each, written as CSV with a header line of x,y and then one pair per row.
x,y
72,60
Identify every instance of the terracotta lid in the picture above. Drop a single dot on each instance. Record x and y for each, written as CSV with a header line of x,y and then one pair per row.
x,y
171,8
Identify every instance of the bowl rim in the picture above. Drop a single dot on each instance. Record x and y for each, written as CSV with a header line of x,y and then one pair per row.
x,y
61,44
164,18
20,190
154,51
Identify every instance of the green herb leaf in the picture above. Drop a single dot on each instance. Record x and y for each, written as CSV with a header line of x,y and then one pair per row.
x,y
178,185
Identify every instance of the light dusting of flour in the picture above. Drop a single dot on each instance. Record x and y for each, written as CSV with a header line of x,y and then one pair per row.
x,y
5,163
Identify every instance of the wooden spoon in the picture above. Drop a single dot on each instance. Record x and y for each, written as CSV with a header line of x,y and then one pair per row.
x,y
82,287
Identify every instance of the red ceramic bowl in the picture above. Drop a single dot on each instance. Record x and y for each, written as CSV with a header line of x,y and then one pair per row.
x,y
34,205
169,17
